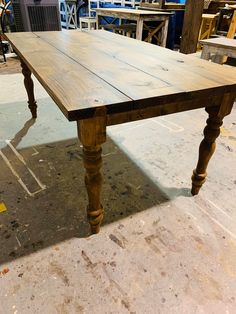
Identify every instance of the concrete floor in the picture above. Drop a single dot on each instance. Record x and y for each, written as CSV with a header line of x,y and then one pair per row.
x,y
160,250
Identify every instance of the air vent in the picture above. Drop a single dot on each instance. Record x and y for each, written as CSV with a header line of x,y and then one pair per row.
x,y
36,15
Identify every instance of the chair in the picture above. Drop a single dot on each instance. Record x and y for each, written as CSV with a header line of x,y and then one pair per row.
x,y
232,26
68,12
90,21
208,26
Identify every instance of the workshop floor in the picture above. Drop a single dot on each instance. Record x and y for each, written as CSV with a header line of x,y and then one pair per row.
x,y
160,250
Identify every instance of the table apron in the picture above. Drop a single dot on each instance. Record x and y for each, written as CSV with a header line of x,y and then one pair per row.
x,y
165,109
134,17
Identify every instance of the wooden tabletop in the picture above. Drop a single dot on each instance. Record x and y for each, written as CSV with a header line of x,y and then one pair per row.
x,y
132,11
209,16
82,71
222,42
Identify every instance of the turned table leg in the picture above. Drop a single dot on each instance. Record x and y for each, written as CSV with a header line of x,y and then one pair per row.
x,y
92,133
93,181
29,86
208,145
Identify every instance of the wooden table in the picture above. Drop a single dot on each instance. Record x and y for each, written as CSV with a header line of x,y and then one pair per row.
x,y
218,47
141,17
97,85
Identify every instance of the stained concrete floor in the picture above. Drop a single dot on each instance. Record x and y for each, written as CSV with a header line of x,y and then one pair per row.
x,y
160,250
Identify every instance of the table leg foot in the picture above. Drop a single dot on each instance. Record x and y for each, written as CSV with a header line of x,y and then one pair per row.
x,y
93,181
197,181
29,86
207,148
33,109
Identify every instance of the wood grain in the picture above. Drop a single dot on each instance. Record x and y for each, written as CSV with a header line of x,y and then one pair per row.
x,y
125,75
73,88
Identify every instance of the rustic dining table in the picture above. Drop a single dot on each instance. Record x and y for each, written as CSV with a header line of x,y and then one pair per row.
x,y
141,17
98,84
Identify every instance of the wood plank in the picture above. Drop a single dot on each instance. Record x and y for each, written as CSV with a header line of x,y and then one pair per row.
x,y
166,57
131,12
181,87
75,90
221,42
122,79
162,109
191,27
136,74
133,82
174,6
174,68
168,66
